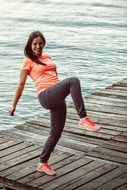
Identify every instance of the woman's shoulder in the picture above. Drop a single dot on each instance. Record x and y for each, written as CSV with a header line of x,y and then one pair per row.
x,y
26,63
27,60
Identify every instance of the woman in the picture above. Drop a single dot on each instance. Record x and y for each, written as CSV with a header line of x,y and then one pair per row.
x,y
51,94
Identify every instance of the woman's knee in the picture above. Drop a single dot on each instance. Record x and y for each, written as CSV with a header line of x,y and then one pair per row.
x,y
75,80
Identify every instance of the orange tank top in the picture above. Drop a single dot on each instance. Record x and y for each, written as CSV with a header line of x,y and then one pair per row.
x,y
43,76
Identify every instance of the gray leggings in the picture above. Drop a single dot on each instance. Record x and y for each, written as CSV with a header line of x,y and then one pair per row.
x,y
53,99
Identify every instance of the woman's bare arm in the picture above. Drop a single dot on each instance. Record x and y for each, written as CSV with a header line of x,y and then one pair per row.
x,y
19,90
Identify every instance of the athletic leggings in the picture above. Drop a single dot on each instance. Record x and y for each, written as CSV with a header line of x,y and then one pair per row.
x,y
53,99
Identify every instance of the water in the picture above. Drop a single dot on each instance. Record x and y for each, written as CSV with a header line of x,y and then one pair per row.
x,y
86,38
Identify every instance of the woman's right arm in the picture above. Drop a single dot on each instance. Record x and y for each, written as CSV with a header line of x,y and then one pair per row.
x,y
19,90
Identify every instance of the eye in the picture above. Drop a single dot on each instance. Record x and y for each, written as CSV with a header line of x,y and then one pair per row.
x,y
41,43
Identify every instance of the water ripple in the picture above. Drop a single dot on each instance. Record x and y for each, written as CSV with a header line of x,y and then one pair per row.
x,y
87,39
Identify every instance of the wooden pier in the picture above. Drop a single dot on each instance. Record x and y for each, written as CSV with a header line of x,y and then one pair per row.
x,y
83,160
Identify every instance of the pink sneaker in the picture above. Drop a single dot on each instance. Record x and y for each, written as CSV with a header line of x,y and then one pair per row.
x,y
46,168
88,124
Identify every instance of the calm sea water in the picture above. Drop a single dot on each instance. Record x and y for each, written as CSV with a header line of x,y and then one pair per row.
x,y
86,38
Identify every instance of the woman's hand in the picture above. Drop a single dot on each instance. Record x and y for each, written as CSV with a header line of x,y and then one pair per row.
x,y
11,111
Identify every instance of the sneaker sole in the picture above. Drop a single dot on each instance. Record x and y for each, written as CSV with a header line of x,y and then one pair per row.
x,y
45,172
89,129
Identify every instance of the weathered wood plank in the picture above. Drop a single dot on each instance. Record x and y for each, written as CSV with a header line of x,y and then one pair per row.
x,y
102,118
4,138
21,159
112,155
71,111
107,108
103,130
13,149
57,161
37,138
121,138
85,147
122,187
109,116
38,129
67,141
9,143
105,101
24,135
25,149
77,145
30,169
61,170
90,176
124,134
124,88
106,119
97,112
104,179
38,177
20,166
115,145
112,93
95,97
74,128
73,174
121,180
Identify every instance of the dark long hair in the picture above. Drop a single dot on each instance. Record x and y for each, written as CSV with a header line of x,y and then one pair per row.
x,y
28,51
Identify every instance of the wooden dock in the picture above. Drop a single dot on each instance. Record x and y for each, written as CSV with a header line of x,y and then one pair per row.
x,y
83,160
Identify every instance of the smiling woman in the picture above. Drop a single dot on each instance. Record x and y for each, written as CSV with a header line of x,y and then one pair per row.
x,y
84,38
34,46
37,46
51,94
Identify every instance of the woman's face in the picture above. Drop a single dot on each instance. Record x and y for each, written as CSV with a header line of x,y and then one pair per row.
x,y
37,46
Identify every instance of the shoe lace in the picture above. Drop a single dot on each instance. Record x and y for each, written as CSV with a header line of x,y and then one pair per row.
x,y
48,166
90,121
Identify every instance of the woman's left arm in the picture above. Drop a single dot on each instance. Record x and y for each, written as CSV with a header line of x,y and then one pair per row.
x,y
19,90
